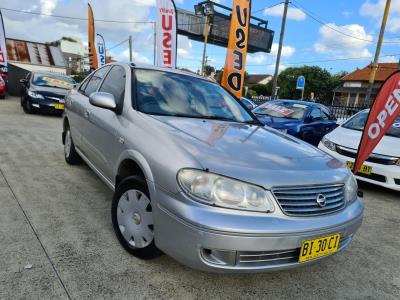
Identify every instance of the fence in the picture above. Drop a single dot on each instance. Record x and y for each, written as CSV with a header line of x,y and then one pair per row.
x,y
344,112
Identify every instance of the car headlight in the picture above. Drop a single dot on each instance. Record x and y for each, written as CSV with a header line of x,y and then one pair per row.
x,y
35,95
351,188
221,191
328,144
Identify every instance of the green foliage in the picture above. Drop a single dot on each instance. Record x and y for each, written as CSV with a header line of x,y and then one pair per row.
x,y
318,80
261,89
208,70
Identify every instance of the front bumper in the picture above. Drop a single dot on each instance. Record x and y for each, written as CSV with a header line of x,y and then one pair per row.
x,y
46,105
272,243
387,176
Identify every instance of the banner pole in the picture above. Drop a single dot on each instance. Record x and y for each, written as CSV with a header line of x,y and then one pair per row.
x,y
155,43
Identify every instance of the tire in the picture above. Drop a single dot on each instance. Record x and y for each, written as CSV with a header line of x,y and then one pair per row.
x,y
132,218
71,156
27,107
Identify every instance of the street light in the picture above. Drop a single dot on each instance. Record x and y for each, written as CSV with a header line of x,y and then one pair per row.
x,y
205,9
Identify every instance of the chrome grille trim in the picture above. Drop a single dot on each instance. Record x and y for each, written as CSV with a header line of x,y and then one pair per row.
x,y
302,201
274,258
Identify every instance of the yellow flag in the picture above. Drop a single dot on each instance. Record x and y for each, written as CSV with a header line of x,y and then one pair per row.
x,y
94,64
233,76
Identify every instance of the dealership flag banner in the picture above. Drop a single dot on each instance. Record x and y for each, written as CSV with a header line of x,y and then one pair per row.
x,y
384,111
91,39
3,49
233,76
166,33
101,50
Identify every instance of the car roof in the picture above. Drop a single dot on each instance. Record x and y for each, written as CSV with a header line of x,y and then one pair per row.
x,y
163,69
299,102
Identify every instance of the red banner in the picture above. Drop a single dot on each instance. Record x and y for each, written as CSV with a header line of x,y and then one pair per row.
x,y
384,112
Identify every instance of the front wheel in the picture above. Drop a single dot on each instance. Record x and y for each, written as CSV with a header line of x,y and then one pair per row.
x,y
27,107
71,156
132,217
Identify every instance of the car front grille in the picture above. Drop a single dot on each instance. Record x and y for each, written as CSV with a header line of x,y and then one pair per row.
x,y
302,201
374,158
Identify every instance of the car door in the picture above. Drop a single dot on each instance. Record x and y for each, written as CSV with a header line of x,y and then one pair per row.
x,y
84,112
104,124
328,120
313,130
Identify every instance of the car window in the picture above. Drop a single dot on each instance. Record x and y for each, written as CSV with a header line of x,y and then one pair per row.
x,y
84,84
170,94
325,113
53,80
282,109
359,120
114,83
95,80
316,114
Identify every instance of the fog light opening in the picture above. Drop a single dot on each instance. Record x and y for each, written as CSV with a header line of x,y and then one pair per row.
x,y
219,257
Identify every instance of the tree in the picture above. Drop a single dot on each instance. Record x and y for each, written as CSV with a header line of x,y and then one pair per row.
x,y
208,70
260,89
318,80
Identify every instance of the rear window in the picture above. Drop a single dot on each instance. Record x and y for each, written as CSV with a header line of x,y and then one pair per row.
x,y
282,109
359,120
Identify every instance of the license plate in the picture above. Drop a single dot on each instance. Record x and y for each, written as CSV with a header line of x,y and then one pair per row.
x,y
59,106
364,169
319,247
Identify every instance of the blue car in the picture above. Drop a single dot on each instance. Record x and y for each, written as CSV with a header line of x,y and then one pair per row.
x,y
305,120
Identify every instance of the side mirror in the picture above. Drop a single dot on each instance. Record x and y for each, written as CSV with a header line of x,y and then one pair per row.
x,y
23,81
103,100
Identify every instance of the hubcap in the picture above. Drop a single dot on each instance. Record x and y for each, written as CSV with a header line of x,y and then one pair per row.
x,y
135,218
67,144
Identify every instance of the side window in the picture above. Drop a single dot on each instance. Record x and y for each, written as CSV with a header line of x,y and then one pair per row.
x,y
326,115
114,83
84,84
94,81
316,114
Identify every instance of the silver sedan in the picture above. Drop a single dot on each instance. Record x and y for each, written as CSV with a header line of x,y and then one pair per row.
x,y
198,177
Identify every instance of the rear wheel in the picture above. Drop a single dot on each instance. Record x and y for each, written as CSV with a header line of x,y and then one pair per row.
x,y
132,217
71,156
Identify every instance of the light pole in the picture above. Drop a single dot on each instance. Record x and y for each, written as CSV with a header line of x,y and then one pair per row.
x,y
377,52
278,57
205,9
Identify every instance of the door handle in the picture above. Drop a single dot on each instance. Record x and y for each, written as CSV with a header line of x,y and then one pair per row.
x,y
87,114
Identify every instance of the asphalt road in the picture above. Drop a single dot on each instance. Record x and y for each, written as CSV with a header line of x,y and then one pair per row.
x,y
56,218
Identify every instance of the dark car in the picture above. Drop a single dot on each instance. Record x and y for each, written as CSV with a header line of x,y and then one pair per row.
x,y
44,92
305,120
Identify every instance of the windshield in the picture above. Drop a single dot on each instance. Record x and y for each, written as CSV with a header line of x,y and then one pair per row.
x,y
359,120
169,94
282,109
62,82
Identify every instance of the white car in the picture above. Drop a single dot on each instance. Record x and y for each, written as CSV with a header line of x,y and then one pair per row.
x,y
383,165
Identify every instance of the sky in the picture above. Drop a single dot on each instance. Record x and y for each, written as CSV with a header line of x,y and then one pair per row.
x,y
336,35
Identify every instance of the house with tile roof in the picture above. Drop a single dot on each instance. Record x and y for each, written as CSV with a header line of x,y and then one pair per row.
x,y
354,85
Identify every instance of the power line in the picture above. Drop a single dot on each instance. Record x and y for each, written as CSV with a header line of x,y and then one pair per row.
x,y
268,7
75,18
308,13
115,46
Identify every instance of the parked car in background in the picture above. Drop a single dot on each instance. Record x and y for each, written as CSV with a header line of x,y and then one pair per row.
x,y
44,92
383,165
198,177
305,120
3,88
248,103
